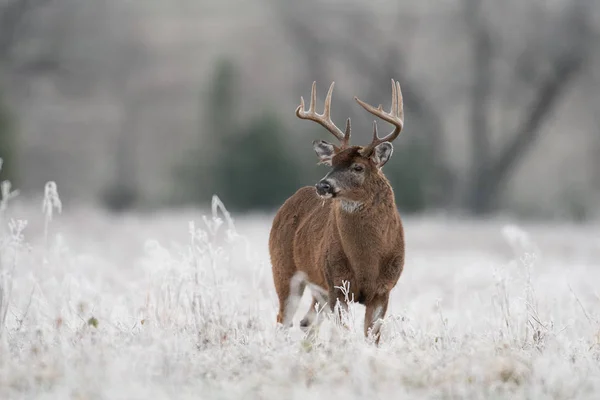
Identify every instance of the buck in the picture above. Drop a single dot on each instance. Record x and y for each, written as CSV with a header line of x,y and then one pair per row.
x,y
346,228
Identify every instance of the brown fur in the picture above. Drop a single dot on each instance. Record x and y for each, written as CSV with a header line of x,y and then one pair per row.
x,y
318,237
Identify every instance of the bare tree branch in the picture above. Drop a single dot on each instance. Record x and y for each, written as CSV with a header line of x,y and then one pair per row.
x,y
548,94
566,64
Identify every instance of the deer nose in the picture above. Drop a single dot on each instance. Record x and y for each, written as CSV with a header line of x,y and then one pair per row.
x,y
323,188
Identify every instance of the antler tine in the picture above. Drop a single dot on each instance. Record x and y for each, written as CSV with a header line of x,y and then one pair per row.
x,y
375,135
394,117
323,119
327,106
313,97
347,132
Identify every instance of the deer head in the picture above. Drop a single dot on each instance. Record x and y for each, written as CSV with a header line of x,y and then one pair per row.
x,y
355,170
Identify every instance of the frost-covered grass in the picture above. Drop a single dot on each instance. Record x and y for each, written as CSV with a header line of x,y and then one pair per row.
x,y
171,305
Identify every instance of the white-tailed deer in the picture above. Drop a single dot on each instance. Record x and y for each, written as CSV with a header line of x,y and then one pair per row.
x,y
347,227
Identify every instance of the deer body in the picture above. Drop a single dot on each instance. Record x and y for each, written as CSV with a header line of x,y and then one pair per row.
x,y
346,229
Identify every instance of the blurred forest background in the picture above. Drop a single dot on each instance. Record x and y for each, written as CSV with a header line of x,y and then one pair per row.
x,y
145,104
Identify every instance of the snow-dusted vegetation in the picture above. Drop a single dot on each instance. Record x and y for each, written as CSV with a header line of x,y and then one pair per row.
x,y
181,305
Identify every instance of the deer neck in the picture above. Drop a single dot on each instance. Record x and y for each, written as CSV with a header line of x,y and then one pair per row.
x,y
351,206
373,218
381,201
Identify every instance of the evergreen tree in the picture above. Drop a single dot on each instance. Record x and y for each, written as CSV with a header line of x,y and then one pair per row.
x,y
244,162
255,170
408,172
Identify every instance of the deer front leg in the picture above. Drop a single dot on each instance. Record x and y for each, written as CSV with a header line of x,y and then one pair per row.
x,y
389,275
377,306
376,309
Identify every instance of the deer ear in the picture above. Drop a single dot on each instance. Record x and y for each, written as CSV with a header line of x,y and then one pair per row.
x,y
324,151
382,154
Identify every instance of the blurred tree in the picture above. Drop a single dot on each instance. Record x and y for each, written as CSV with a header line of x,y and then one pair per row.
x,y
222,108
194,175
16,27
410,176
220,116
128,56
255,171
245,163
12,16
7,144
550,68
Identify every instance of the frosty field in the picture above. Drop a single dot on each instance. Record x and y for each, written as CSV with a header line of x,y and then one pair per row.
x,y
173,306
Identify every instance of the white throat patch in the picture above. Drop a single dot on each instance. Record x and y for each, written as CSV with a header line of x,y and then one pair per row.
x,y
350,206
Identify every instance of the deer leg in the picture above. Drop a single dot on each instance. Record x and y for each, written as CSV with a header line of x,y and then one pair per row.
x,y
375,311
283,293
289,298
310,316
319,300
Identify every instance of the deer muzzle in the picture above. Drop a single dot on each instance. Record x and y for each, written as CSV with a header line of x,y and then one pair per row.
x,y
325,188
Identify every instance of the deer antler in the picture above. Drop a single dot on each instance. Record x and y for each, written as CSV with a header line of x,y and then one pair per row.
x,y
394,117
325,118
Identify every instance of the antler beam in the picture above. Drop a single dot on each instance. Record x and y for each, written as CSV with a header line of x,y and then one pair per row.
x,y
325,118
394,117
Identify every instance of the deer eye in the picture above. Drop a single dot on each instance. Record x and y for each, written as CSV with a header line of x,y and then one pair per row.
x,y
357,168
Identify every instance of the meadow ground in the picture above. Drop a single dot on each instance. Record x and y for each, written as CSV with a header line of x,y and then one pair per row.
x,y
173,306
